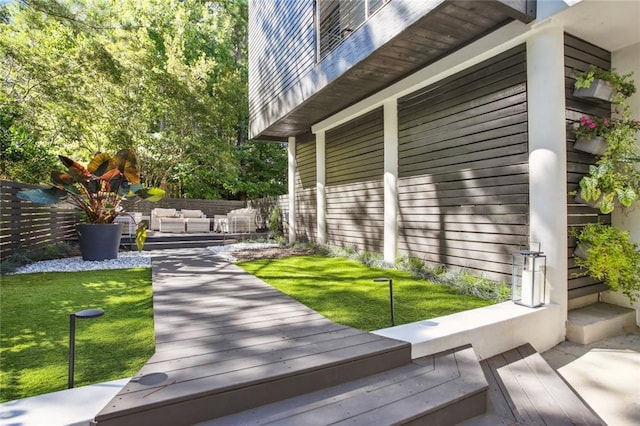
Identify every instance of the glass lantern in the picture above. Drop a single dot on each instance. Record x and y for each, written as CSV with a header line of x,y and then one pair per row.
x,y
528,277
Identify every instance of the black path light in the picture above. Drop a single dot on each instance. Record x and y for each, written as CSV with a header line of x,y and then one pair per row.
x,y
384,280
86,314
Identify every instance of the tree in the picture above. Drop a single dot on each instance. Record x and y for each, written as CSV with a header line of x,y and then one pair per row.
x,y
168,77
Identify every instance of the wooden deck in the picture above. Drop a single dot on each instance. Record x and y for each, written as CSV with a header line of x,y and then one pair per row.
x,y
227,342
525,390
166,241
440,389
232,350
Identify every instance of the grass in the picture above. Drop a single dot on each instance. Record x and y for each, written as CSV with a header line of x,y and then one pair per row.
x,y
34,329
343,290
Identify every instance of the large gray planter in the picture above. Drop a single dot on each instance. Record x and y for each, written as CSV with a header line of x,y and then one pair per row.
x,y
599,90
99,241
581,250
595,145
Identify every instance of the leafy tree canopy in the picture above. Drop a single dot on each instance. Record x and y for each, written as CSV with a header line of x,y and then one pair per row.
x,y
167,77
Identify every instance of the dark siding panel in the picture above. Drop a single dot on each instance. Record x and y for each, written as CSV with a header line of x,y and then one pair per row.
x,y
355,190
282,47
306,216
578,56
464,184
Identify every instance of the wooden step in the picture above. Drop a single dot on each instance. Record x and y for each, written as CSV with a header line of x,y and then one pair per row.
x,y
439,389
214,377
525,390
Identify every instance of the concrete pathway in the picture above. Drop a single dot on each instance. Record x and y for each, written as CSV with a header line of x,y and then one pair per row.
x,y
605,374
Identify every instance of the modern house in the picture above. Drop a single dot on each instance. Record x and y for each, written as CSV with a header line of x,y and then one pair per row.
x,y
442,129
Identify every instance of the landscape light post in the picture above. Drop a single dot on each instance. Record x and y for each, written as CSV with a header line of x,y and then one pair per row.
x,y
393,314
86,314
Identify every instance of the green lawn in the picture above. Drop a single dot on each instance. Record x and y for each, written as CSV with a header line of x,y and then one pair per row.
x,y
343,290
34,328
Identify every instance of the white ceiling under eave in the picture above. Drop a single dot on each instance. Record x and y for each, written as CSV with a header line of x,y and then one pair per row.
x,y
609,24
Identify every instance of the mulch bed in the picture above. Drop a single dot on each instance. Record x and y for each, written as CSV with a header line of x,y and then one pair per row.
x,y
270,253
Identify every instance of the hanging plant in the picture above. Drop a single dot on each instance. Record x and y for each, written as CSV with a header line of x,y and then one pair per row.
x,y
615,178
621,85
610,255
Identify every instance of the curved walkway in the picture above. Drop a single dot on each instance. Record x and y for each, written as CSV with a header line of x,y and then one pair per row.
x,y
226,341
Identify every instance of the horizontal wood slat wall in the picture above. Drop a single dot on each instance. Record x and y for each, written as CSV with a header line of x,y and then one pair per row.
x,y
463,171
281,34
354,186
26,226
306,199
578,56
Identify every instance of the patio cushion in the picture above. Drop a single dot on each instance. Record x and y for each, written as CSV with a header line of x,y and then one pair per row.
x,y
157,213
172,224
200,224
191,213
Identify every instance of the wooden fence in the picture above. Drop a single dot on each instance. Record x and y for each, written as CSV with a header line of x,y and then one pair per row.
x,y
266,205
26,226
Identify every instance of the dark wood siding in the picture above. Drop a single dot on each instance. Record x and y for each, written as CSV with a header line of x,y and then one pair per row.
x,y
281,48
463,172
355,190
306,218
287,97
578,55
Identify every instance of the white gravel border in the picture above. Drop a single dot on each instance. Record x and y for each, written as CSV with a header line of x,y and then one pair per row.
x,y
127,260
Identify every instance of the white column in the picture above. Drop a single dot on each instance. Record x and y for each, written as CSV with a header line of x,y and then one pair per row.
x,y
390,180
548,162
292,188
321,194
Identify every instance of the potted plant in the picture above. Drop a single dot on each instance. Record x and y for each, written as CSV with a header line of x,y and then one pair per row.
x,y
606,85
590,135
615,178
98,191
607,253
609,184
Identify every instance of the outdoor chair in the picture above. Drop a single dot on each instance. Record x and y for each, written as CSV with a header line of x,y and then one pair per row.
x,y
172,224
220,223
242,220
158,213
197,224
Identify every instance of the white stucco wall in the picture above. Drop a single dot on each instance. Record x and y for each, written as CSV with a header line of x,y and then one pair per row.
x,y
625,61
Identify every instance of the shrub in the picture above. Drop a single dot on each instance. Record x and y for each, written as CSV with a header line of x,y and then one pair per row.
x,y
612,257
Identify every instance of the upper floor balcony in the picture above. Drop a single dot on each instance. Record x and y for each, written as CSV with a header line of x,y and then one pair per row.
x,y
309,59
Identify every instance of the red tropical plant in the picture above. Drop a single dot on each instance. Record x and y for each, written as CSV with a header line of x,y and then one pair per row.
x,y
97,189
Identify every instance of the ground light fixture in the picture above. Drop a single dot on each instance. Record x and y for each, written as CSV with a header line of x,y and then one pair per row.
x,y
528,277
384,280
86,314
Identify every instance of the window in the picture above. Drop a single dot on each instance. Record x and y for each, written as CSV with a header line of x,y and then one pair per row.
x,y
338,19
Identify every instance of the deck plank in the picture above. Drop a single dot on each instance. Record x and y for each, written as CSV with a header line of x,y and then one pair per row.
x,y
398,396
226,341
566,407
524,390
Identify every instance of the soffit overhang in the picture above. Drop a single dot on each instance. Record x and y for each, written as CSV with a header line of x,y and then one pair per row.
x,y
447,27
